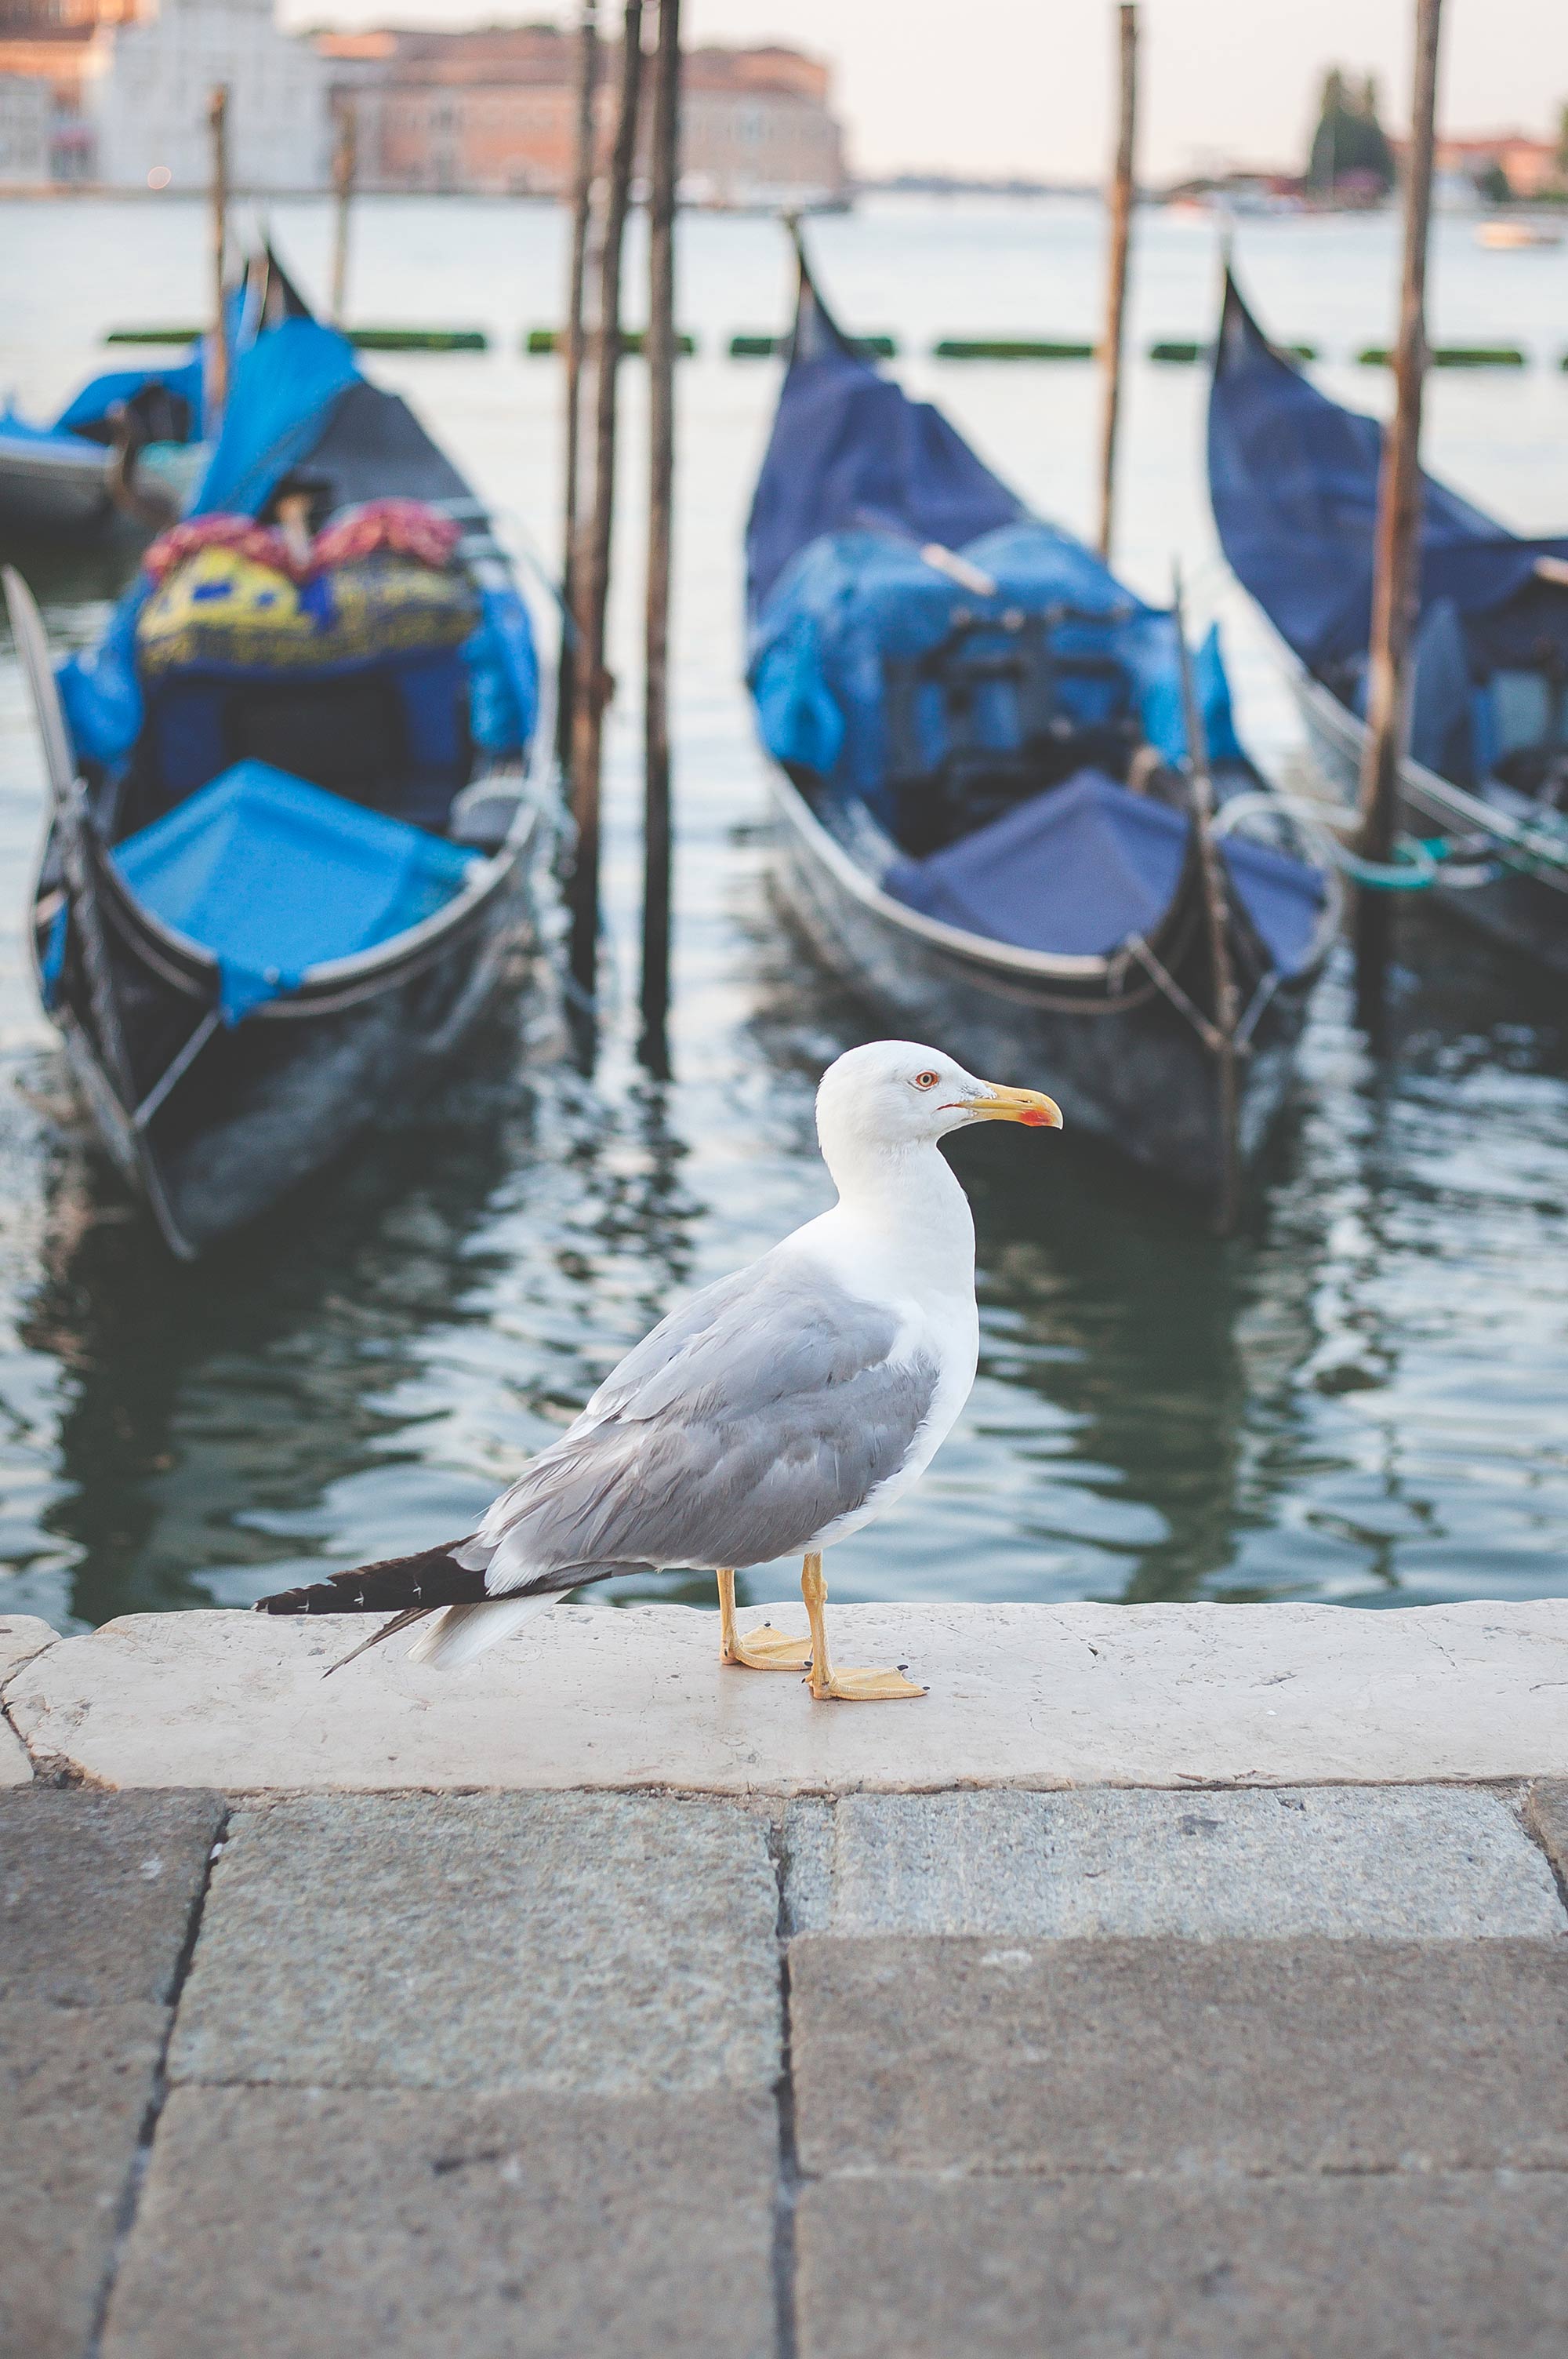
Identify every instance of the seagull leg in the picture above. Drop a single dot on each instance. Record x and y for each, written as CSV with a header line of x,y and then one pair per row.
x,y
845,1687
760,1650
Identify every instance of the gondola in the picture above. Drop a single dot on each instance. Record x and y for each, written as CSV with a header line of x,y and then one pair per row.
x,y
1293,482
126,452
979,767
289,848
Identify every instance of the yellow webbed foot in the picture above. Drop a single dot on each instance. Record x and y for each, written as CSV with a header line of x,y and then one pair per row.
x,y
767,1649
864,1686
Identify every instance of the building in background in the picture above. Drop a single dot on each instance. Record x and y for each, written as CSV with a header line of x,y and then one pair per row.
x,y
27,120
53,57
1504,164
491,112
151,109
125,83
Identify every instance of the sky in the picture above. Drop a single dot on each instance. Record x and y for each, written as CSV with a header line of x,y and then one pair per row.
x,y
998,86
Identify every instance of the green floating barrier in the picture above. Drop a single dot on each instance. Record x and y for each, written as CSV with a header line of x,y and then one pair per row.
x,y
749,347
418,339
1009,348
364,340
1451,356
1178,349
540,342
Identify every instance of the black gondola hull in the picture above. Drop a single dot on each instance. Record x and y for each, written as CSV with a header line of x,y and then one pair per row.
x,y
1528,915
1129,1068
266,1104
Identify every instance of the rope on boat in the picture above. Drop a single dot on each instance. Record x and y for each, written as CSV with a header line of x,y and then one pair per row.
x,y
1419,863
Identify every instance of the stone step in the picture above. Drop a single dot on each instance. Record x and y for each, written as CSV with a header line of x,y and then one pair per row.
x,y
1020,1695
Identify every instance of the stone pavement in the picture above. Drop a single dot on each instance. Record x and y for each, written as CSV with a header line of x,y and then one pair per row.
x,y
1107,2074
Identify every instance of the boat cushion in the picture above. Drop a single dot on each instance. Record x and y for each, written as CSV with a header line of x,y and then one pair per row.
x,y
273,877
221,611
1076,871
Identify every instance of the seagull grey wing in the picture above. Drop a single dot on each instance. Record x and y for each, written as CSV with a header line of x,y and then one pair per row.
x,y
744,1427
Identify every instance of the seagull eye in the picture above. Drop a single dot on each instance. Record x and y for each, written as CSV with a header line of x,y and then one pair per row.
x,y
926,1080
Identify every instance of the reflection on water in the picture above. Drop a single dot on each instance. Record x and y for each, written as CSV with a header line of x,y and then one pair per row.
x,y
1357,1398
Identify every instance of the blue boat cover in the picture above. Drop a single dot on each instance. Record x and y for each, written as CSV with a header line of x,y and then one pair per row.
x,y
848,449
285,390
856,480
1081,868
95,400
273,877
1293,481
853,600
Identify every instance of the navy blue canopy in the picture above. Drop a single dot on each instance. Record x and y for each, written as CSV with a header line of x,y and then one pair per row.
x,y
1079,869
1293,480
858,483
850,450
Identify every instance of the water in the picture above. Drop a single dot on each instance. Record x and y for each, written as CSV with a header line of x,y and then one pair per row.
x,y
1358,1399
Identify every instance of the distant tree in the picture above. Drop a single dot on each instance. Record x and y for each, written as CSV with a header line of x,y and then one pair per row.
x,y
1377,156
1493,184
1323,158
1349,141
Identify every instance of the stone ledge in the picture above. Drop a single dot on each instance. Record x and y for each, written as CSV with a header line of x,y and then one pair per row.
x,y
1029,1696
22,1636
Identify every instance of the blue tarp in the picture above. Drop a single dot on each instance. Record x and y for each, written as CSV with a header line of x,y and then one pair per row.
x,y
857,479
95,400
849,448
273,877
284,391
1293,480
1078,869
851,601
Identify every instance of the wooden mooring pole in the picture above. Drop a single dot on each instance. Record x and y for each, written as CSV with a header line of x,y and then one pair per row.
x,y
590,681
345,164
1225,1000
1114,339
1397,559
660,347
218,374
582,201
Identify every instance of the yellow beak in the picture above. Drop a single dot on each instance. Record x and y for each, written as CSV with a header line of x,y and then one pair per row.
x,y
1030,1107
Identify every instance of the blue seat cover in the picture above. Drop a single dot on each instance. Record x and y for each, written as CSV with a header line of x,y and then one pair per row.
x,y
1077,870
273,877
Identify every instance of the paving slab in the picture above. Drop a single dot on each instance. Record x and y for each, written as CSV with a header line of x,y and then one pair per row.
x,y
75,2086
398,2224
970,2055
1405,2266
97,1890
22,1636
1021,1695
1401,1864
511,1941
1546,1813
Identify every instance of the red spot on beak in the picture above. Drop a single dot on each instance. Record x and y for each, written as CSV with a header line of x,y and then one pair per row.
x,y
1032,1117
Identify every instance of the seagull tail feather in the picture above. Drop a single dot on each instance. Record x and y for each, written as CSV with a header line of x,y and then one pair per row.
x,y
397,1584
461,1632
434,1587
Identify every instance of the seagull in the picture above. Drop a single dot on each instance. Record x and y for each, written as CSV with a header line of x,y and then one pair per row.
x,y
777,1412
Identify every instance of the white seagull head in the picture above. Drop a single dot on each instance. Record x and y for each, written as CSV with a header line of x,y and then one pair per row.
x,y
892,1095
